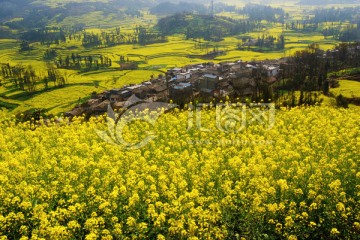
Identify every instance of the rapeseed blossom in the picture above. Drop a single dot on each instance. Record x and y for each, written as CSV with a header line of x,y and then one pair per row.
x,y
298,179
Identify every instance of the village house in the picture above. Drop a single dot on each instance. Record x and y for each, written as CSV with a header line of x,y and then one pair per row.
x,y
141,92
125,94
115,98
112,92
207,84
272,71
182,85
209,81
174,71
181,93
183,76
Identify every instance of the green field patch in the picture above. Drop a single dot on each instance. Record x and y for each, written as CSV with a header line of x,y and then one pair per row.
x,y
296,45
155,67
7,105
347,88
114,78
173,61
8,44
249,56
153,59
57,100
9,91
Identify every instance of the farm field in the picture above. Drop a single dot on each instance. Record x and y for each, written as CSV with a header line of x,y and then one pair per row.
x,y
155,58
294,180
286,170
348,88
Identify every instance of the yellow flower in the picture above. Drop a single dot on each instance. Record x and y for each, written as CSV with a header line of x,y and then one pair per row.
x,y
312,224
292,237
298,191
74,225
271,221
278,227
334,231
356,225
131,222
160,237
91,236
313,206
340,207
289,221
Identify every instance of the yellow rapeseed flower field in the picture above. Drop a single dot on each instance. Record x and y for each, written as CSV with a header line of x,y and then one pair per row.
x,y
299,179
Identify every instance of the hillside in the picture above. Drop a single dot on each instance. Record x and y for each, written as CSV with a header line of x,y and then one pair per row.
x,y
326,2
203,26
39,13
168,8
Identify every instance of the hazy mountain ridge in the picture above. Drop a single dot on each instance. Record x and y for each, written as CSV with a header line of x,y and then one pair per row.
x,y
326,2
24,8
168,8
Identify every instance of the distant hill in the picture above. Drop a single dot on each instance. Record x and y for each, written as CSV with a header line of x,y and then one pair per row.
x,y
47,9
203,26
11,9
169,8
325,2
38,14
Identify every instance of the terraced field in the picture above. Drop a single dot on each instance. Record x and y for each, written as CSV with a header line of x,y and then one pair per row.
x,y
153,59
348,88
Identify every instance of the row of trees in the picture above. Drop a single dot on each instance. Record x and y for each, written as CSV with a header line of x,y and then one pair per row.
x,y
336,14
308,70
145,36
302,26
140,35
78,62
26,79
123,59
267,42
49,36
351,33
44,36
49,54
205,26
257,12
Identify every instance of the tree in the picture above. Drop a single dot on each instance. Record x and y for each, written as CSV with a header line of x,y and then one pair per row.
x,y
341,101
281,42
90,61
67,61
46,82
326,87
24,46
54,75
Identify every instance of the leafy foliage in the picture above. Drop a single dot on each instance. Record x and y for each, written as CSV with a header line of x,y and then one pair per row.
x,y
204,26
257,12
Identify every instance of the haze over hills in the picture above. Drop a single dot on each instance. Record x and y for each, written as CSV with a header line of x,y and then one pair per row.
x,y
326,2
21,8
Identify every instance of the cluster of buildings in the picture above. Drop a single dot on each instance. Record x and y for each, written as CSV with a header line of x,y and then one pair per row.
x,y
182,85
